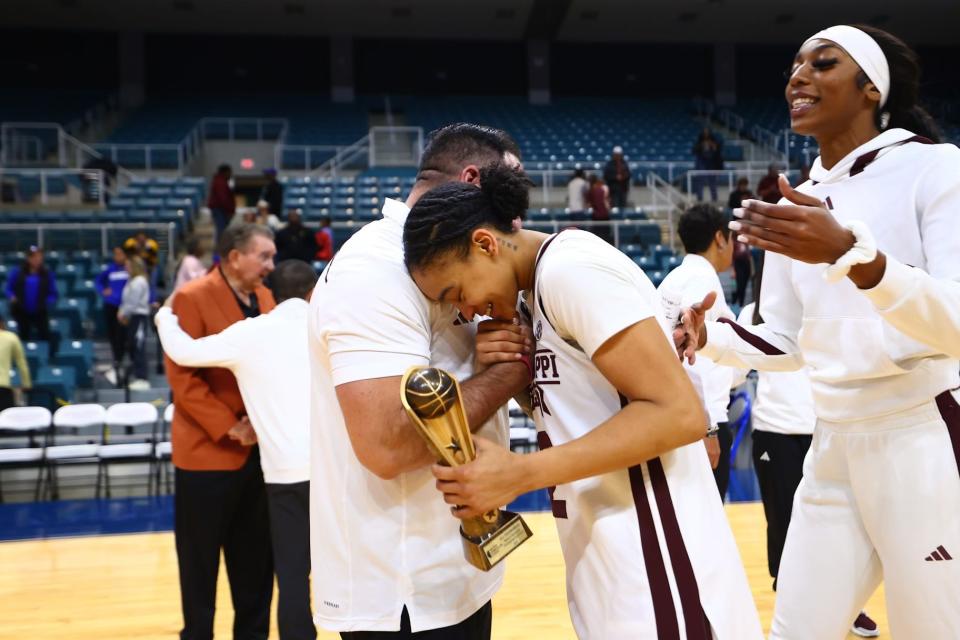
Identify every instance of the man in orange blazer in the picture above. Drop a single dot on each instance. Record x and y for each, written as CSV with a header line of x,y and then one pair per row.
x,y
220,500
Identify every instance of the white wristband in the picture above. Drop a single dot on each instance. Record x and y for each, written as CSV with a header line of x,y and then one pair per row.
x,y
864,250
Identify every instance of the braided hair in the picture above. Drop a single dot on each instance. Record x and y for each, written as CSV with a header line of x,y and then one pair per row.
x,y
444,218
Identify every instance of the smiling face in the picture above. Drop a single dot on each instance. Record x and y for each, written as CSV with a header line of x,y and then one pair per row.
x,y
823,93
482,283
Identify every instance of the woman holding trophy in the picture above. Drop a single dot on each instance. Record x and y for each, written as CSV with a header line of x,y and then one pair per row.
x,y
645,539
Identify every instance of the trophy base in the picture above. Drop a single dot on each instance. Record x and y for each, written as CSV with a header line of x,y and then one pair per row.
x,y
509,534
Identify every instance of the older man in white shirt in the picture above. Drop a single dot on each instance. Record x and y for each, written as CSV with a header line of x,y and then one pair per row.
x,y
706,239
268,357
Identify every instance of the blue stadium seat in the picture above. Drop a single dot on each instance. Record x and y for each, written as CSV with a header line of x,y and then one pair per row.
x,y
59,380
78,355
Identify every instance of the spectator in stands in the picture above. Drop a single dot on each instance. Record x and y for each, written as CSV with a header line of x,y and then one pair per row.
x,y
272,367
265,216
768,189
577,190
149,251
707,156
110,284
134,314
222,202
191,264
11,352
741,193
617,176
598,198
272,193
324,240
32,292
295,241
742,262
220,501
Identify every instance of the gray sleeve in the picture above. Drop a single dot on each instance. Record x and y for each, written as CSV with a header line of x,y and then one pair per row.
x,y
136,296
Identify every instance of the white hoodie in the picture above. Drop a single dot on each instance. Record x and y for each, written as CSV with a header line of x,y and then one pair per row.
x,y
883,350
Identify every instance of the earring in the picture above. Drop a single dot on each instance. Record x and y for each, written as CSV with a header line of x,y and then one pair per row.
x,y
884,120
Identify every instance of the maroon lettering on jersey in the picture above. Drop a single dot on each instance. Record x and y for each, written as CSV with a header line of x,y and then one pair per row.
x,y
544,373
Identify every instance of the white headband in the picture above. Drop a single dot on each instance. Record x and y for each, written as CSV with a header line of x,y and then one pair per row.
x,y
865,52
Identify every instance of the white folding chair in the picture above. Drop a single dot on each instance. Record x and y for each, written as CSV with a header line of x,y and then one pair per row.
x,y
127,415
26,422
82,426
163,452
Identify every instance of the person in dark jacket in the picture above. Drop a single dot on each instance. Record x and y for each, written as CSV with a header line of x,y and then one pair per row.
x,y
707,156
272,193
295,241
32,291
617,176
109,284
222,202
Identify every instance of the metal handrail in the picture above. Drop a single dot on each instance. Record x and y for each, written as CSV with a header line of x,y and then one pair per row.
x,y
345,155
46,174
105,228
731,175
188,147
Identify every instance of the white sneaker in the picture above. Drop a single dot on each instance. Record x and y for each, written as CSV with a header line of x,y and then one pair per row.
x,y
111,376
139,385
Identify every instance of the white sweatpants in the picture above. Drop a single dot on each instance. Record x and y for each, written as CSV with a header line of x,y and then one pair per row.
x,y
879,500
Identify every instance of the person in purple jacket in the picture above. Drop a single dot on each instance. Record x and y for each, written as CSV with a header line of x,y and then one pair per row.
x,y
32,292
109,284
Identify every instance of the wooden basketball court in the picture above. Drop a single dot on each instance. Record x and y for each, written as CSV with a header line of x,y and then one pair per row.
x,y
125,586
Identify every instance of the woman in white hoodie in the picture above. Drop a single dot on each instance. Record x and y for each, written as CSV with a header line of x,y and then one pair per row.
x,y
862,285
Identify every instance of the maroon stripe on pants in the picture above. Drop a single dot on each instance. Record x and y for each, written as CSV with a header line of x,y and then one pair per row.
x,y
753,340
694,618
950,412
944,554
663,608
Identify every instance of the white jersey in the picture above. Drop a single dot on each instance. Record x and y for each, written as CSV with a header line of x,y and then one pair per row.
x,y
648,550
784,402
878,351
684,286
380,545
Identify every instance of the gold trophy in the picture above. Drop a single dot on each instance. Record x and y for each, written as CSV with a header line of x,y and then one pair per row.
x,y
431,397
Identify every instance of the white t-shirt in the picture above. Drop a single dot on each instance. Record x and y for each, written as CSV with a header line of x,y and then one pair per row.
x,y
267,355
883,350
685,285
379,545
784,402
577,194
631,537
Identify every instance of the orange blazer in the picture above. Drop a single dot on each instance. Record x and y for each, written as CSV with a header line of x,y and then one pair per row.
x,y
207,400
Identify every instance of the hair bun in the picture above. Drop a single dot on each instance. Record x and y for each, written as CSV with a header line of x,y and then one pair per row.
x,y
508,190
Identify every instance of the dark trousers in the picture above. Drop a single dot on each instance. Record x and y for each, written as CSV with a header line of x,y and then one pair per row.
x,y
289,506
220,222
29,323
722,473
778,459
6,398
116,333
476,627
136,332
742,270
618,195
228,510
